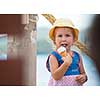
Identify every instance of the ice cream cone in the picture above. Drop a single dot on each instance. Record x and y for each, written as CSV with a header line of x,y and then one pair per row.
x,y
63,54
62,51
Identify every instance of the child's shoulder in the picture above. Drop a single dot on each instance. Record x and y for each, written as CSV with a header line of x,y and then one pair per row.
x,y
51,56
54,53
76,54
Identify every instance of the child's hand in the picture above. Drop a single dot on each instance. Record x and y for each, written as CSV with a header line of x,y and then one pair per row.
x,y
81,78
67,60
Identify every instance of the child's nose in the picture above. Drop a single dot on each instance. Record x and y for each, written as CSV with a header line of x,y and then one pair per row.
x,y
64,38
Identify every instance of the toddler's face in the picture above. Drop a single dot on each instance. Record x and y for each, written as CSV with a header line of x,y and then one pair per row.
x,y
63,37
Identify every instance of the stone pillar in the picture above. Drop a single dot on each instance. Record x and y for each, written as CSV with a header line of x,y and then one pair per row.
x,y
27,50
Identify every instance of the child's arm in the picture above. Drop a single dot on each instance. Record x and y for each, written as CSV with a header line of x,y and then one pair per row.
x,y
58,72
82,78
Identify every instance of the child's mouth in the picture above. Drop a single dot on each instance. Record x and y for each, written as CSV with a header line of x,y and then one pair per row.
x,y
64,45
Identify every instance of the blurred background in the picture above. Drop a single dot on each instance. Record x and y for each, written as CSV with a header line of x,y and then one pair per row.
x,y
44,46
3,46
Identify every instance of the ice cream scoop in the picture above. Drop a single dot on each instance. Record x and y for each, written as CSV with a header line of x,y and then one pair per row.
x,y
62,51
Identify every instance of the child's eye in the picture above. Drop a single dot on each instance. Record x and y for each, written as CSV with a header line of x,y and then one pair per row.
x,y
59,35
67,35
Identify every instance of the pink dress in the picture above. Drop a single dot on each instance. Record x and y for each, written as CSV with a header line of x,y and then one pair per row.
x,y
64,81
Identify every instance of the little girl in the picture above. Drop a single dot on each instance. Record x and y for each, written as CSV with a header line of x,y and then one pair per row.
x,y
68,70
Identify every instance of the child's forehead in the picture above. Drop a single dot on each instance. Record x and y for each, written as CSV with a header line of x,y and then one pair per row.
x,y
57,29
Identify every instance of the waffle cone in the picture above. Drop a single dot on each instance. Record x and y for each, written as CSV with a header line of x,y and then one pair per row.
x,y
63,54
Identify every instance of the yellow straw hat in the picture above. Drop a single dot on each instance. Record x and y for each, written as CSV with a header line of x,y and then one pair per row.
x,y
63,23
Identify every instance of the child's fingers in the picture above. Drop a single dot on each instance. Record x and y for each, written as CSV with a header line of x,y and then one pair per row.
x,y
77,78
67,60
80,78
63,58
